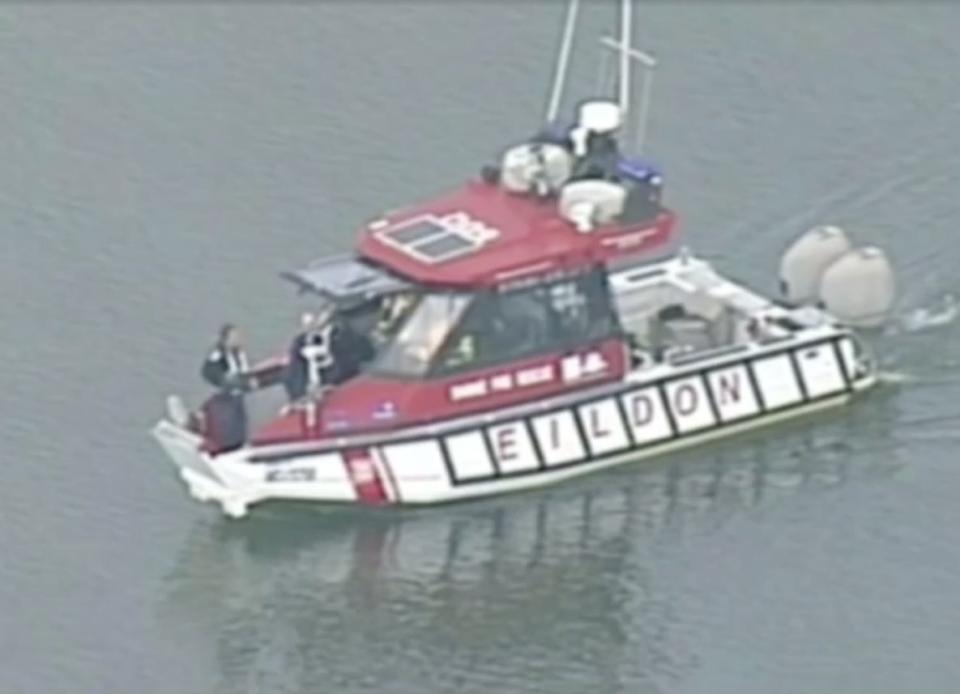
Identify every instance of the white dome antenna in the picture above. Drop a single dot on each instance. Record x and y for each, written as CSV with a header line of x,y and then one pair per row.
x,y
594,117
602,117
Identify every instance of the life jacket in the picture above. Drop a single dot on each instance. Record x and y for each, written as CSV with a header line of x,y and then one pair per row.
x,y
222,363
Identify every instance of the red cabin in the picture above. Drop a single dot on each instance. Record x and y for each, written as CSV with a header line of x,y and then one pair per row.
x,y
492,295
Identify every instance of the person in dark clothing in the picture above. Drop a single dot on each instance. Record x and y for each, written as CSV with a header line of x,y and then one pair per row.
x,y
350,351
600,158
226,368
327,352
304,358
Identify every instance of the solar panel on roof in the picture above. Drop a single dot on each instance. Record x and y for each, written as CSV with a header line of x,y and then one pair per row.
x,y
407,235
444,246
433,240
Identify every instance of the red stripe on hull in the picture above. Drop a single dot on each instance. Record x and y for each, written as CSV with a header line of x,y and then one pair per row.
x,y
364,476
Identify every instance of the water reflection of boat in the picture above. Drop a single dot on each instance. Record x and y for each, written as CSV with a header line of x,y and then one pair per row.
x,y
500,591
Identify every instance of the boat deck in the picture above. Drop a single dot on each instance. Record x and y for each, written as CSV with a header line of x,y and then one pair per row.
x,y
682,306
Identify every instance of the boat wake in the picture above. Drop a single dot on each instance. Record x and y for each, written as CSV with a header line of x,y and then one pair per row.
x,y
888,377
941,313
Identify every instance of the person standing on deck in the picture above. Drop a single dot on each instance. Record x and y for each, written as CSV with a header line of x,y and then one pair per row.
x,y
326,353
227,369
308,353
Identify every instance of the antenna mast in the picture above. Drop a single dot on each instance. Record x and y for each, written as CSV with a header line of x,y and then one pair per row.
x,y
626,22
563,60
628,53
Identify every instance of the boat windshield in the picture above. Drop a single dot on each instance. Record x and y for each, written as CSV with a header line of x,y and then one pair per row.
x,y
422,334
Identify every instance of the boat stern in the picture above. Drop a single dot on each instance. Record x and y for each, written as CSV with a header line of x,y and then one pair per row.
x,y
243,476
196,467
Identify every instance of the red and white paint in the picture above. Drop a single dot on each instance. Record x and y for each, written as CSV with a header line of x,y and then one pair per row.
x,y
539,448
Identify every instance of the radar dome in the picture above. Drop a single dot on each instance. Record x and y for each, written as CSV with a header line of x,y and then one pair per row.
x,y
594,118
599,116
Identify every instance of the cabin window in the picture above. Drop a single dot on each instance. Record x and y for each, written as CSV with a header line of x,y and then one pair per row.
x,y
581,308
425,329
506,326
498,327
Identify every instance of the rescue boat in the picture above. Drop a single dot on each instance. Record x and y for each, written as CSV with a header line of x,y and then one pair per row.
x,y
536,324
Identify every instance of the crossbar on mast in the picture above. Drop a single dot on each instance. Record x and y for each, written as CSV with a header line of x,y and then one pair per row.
x,y
649,62
641,56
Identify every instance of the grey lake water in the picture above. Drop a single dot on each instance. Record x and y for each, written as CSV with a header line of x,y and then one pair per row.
x,y
161,163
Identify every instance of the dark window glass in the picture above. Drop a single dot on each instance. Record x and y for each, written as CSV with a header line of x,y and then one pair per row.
x,y
444,245
581,308
413,233
423,332
497,327
504,326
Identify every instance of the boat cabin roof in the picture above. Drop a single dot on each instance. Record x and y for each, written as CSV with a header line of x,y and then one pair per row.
x,y
482,235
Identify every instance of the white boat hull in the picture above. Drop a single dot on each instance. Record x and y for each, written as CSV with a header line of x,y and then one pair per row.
x,y
653,412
